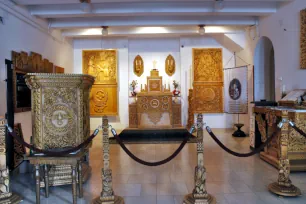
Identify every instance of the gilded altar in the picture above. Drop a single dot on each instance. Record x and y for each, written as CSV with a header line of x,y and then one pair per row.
x,y
60,115
154,107
267,119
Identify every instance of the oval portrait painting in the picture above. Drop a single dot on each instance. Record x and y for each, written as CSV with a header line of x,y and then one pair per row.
x,y
234,89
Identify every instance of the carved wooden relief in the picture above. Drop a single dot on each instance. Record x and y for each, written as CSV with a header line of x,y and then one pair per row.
x,y
177,122
59,70
208,65
208,98
133,116
138,66
19,149
303,39
102,64
103,100
208,80
33,63
190,121
170,65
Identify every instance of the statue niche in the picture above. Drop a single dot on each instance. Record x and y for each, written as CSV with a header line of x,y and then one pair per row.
x,y
170,65
138,66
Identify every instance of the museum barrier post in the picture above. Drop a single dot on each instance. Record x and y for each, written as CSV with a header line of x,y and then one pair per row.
x,y
107,195
6,196
199,194
284,186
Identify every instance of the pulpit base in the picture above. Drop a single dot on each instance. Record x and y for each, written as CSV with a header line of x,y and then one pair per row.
x,y
189,199
118,200
291,191
12,199
61,175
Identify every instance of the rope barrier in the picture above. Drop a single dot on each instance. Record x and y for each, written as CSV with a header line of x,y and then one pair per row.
x,y
297,129
145,162
52,153
255,151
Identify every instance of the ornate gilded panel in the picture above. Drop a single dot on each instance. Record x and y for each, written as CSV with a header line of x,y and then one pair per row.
x,y
190,109
207,98
102,64
138,66
154,106
103,100
208,65
297,143
170,65
208,80
303,39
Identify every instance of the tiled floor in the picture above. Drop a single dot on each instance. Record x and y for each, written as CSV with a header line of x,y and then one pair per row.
x,y
231,180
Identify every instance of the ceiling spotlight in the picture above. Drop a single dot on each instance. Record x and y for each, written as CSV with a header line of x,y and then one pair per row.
x,y
85,6
201,29
104,30
219,4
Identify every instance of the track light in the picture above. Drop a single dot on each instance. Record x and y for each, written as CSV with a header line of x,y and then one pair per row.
x,y
219,4
85,6
104,30
201,29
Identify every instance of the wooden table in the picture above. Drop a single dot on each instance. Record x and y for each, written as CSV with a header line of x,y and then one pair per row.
x,y
75,160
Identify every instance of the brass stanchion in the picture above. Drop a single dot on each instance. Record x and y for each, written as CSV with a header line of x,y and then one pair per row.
x,y
199,194
284,186
107,195
6,196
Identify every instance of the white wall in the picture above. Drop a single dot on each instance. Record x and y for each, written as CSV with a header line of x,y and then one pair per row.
x,y
20,35
286,45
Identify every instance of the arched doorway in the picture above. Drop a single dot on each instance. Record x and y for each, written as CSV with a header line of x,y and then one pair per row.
x,y
264,70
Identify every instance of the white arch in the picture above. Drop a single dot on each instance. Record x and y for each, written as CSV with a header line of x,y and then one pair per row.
x,y
264,70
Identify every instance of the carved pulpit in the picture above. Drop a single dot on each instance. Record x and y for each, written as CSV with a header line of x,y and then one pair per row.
x,y
60,116
154,106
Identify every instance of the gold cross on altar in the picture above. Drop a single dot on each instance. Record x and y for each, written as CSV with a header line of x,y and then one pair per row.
x,y
154,64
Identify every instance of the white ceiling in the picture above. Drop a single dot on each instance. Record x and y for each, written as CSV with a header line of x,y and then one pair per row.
x,y
128,17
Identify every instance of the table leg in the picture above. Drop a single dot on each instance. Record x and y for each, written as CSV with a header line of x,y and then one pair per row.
x,y
46,180
74,184
37,176
80,180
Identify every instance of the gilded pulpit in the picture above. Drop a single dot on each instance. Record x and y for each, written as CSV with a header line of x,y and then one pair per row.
x,y
154,107
60,116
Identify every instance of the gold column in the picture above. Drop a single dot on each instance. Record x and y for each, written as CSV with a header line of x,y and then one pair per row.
x,y
199,194
6,196
284,186
107,195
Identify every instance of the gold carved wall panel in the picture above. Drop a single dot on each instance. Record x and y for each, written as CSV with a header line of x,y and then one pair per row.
x,y
102,64
103,100
208,80
170,65
208,98
208,65
138,66
303,39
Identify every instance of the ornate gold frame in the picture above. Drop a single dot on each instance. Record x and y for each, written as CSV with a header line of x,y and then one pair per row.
x,y
167,66
141,67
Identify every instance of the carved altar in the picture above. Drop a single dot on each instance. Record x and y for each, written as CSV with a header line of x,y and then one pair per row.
x,y
60,115
154,107
267,118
